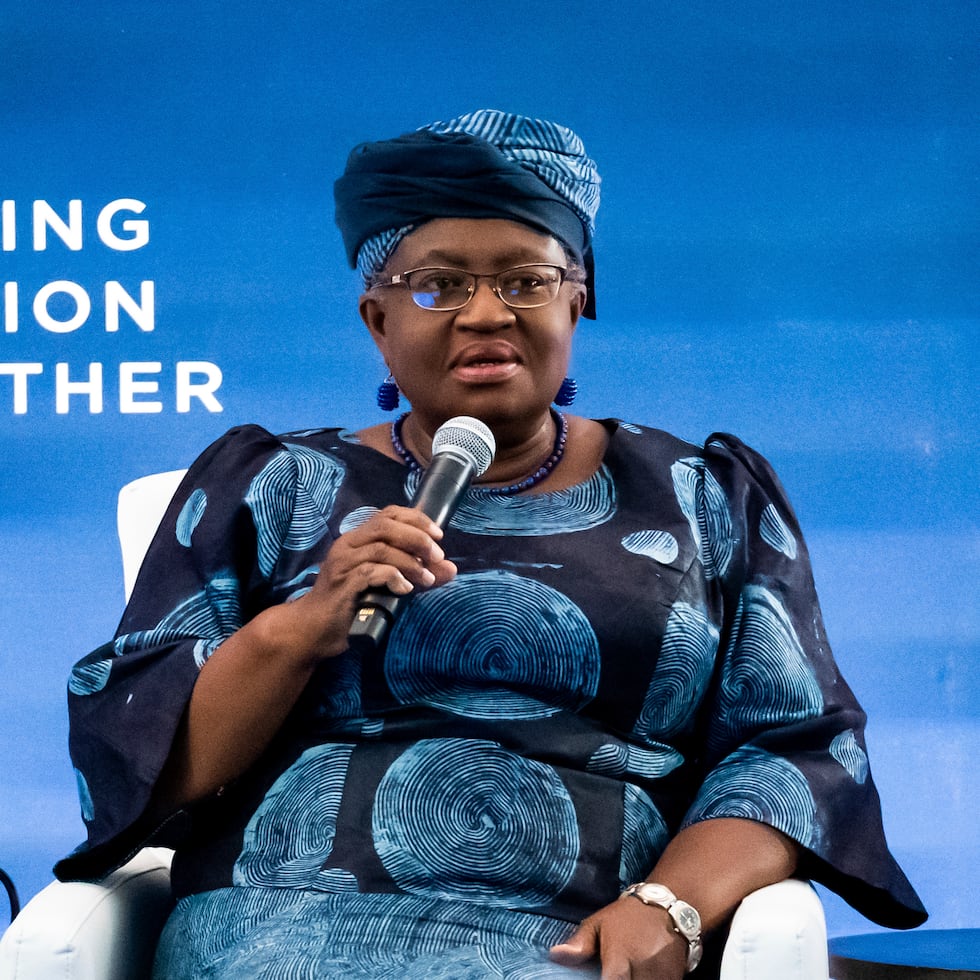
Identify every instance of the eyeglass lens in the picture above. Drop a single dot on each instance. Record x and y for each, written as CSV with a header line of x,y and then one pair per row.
x,y
450,289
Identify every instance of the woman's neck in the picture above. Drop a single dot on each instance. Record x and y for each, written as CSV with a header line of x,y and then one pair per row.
x,y
519,454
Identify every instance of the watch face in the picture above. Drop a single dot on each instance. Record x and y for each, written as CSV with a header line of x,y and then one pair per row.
x,y
687,919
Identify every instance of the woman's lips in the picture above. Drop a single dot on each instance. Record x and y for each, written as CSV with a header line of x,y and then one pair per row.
x,y
485,371
496,362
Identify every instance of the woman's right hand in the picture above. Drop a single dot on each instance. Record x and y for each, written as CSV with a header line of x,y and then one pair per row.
x,y
397,548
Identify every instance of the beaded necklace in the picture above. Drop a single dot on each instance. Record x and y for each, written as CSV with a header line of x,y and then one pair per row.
x,y
557,451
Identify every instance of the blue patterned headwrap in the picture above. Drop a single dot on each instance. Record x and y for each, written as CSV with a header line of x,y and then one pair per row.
x,y
486,164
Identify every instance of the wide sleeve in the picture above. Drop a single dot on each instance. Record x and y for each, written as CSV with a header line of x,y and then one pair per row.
x,y
209,569
785,735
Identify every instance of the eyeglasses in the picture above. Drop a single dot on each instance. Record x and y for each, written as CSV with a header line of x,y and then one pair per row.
x,y
524,287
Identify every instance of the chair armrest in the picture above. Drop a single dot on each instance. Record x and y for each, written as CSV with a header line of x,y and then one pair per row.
x,y
778,933
85,931
109,930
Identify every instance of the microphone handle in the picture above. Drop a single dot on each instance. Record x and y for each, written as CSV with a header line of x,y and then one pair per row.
x,y
443,486
438,495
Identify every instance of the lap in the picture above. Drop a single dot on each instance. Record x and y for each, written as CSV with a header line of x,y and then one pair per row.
x,y
286,935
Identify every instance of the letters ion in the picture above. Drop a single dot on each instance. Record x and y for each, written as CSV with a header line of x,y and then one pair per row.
x,y
63,306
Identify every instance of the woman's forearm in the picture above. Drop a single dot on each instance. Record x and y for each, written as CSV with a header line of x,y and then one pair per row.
x,y
241,698
714,864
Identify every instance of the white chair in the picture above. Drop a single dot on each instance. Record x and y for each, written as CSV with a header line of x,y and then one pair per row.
x,y
139,511
109,930
83,931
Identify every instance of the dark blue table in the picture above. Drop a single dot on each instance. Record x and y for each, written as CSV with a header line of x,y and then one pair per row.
x,y
924,954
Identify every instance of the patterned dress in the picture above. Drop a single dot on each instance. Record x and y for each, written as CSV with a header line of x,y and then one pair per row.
x,y
614,661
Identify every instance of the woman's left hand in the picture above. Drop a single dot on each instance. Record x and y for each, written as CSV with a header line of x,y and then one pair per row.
x,y
632,941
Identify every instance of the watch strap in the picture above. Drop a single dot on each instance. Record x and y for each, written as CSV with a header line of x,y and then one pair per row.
x,y
684,917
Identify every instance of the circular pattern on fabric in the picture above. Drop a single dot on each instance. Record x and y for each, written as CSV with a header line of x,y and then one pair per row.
x,y
190,516
339,692
89,676
357,517
482,961
203,650
291,834
466,819
280,933
645,835
757,785
493,645
703,502
620,759
766,679
289,499
84,797
578,508
687,657
776,533
849,754
212,615
661,546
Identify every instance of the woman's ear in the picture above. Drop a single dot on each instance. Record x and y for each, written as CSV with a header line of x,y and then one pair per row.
x,y
373,315
577,303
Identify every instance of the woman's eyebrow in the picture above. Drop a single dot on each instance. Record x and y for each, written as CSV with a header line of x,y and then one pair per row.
x,y
452,259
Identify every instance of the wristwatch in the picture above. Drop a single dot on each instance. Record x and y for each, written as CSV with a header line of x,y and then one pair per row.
x,y
687,921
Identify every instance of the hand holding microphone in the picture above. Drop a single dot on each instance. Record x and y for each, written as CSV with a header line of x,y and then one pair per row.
x,y
462,449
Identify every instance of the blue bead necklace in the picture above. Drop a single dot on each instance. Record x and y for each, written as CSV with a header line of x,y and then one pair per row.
x,y
557,451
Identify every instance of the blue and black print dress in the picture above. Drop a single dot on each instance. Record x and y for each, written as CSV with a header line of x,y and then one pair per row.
x,y
614,661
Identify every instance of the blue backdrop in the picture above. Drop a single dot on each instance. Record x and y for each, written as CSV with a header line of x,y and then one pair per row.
x,y
787,249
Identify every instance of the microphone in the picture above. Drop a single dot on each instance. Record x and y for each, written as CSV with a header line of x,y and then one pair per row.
x,y
462,449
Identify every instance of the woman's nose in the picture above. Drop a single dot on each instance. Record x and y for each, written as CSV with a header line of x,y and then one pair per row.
x,y
485,310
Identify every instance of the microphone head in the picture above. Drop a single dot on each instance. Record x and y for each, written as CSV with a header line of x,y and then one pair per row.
x,y
468,437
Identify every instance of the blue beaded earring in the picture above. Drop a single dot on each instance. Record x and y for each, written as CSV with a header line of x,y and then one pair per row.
x,y
567,392
388,394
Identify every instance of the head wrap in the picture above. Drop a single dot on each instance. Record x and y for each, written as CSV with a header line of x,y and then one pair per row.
x,y
486,164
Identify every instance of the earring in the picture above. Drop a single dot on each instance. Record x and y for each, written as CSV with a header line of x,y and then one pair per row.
x,y
388,394
567,392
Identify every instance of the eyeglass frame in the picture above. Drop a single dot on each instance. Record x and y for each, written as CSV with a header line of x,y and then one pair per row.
x,y
401,279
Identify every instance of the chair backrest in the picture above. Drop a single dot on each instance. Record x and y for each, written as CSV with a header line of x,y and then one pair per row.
x,y
139,510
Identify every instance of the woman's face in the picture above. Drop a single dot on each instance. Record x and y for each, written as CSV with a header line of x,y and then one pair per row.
x,y
500,364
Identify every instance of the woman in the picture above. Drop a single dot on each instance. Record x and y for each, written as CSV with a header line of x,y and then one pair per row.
x,y
608,711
